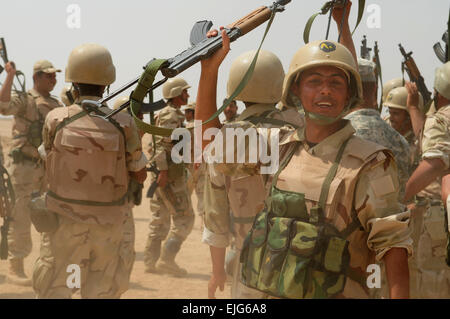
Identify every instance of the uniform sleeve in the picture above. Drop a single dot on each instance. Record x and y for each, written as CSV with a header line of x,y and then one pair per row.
x,y
136,159
163,145
378,209
436,139
217,210
17,104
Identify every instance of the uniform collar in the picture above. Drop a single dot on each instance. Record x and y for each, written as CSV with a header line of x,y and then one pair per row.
x,y
254,110
329,145
89,97
368,112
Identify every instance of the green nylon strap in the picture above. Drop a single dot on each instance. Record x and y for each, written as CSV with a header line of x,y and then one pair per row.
x,y
147,78
324,10
118,202
137,96
330,176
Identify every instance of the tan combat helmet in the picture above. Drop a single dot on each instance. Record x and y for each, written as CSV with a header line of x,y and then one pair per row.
x,y
389,85
320,53
397,99
68,92
90,63
174,87
120,101
190,106
442,80
266,83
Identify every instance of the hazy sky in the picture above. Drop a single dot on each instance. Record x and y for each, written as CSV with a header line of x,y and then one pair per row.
x,y
136,31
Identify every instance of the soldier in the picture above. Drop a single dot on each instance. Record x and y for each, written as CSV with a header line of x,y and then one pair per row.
x,y
242,196
171,202
362,199
446,200
368,124
434,275
390,85
68,94
230,112
90,162
24,164
189,113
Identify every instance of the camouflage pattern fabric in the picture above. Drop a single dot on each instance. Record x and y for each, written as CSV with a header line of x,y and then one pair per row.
x,y
376,181
100,248
94,248
219,201
27,175
369,126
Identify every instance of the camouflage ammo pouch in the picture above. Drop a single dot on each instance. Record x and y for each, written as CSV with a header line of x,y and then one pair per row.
x,y
43,220
290,254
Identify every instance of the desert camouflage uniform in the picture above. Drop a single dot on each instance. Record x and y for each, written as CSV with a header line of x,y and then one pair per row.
x,y
231,120
88,236
369,126
241,196
374,181
433,273
29,109
176,191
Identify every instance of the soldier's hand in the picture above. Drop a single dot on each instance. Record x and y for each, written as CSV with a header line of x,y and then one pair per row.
x,y
10,68
338,12
413,95
216,280
214,61
162,178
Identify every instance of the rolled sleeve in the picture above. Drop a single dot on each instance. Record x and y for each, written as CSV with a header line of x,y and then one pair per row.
x,y
436,139
381,215
215,240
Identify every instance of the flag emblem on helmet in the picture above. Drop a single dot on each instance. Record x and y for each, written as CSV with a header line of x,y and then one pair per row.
x,y
327,46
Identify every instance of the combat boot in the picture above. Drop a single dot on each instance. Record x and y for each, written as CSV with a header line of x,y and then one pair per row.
x,y
167,264
151,255
16,273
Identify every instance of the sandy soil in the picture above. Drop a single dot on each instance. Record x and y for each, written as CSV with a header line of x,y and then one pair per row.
x,y
194,256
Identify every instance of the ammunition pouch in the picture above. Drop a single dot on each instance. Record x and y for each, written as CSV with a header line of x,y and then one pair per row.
x,y
43,220
289,253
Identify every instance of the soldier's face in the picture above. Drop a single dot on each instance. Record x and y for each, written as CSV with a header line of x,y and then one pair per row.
x,y
45,81
323,90
184,97
230,110
399,119
189,115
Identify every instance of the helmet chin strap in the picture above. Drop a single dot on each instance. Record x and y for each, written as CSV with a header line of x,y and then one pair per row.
x,y
326,120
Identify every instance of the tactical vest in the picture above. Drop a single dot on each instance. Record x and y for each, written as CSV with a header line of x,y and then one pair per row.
x,y
295,248
86,167
246,194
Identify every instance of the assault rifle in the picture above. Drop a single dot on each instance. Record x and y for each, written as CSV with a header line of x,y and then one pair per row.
x,y
19,74
414,75
7,199
365,51
203,47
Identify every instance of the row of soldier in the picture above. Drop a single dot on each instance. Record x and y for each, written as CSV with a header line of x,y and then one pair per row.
x,y
353,173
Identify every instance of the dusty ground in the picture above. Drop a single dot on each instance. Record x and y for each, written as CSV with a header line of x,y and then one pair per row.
x,y
194,256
